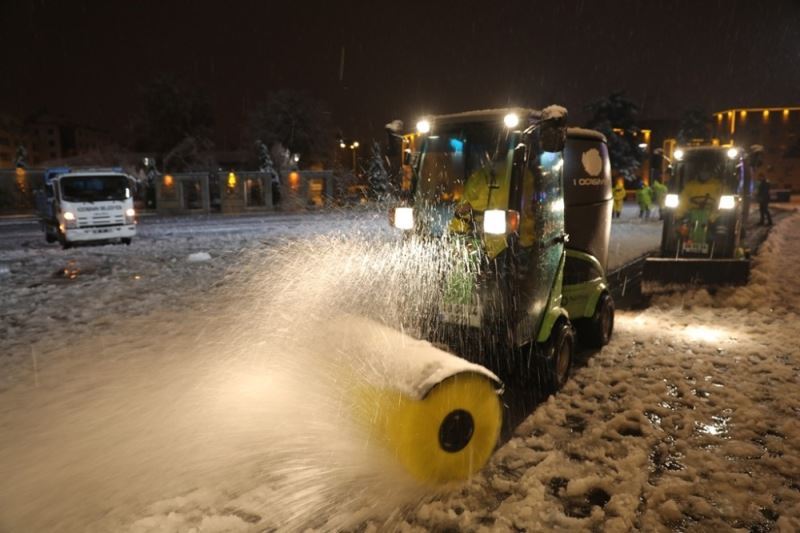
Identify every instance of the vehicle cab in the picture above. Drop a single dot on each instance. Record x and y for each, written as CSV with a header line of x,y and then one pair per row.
x,y
488,185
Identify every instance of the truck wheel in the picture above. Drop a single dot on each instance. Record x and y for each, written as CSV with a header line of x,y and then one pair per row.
x,y
66,245
50,238
126,241
561,351
595,332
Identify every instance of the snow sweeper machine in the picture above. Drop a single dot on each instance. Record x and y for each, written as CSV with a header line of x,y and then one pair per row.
x,y
521,207
704,217
510,212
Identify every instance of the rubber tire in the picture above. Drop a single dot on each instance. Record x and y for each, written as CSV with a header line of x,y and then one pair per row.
x,y
561,353
596,331
126,241
50,238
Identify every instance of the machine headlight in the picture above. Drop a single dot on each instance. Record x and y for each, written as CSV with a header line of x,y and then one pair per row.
x,y
404,218
423,126
733,153
494,222
671,201
69,216
678,154
727,202
511,120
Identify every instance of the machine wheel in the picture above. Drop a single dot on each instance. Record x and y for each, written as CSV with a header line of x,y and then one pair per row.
x,y
595,331
126,241
561,348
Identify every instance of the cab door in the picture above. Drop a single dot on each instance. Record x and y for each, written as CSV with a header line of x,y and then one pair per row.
x,y
541,237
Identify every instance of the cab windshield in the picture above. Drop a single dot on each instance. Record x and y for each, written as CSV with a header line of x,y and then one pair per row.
x,y
706,165
94,188
454,153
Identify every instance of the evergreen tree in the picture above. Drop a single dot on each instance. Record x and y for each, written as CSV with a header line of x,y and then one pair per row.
x,y
377,176
695,124
265,163
297,122
616,118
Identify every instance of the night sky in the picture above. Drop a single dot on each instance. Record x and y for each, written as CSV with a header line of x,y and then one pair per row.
x,y
86,59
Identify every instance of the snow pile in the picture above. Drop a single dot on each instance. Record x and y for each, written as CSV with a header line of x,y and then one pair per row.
x,y
4,270
554,112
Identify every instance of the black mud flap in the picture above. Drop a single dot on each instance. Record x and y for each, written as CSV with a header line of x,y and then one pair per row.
x,y
696,271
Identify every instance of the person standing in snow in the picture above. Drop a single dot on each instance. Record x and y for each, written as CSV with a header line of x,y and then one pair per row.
x,y
659,196
762,194
644,196
618,194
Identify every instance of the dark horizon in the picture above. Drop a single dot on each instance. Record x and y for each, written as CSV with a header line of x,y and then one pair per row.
x,y
87,59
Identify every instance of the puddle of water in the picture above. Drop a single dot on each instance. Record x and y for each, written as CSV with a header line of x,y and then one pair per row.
x,y
718,427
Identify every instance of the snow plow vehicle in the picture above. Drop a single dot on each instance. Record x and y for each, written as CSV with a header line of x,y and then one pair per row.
x,y
91,205
705,211
522,208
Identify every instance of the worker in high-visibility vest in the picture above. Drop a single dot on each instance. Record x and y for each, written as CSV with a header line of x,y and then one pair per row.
x,y
619,197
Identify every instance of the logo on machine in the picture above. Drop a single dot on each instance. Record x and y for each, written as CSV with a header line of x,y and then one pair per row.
x,y
593,165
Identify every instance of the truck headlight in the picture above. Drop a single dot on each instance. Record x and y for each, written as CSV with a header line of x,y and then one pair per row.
x,y
130,215
671,201
404,218
494,222
69,219
727,202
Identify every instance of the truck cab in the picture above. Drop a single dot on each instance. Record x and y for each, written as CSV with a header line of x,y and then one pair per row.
x,y
82,206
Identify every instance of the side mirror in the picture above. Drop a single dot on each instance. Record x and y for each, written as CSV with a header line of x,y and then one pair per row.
x,y
407,157
553,129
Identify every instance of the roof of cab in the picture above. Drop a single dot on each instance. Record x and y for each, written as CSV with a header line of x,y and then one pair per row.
x,y
582,133
482,115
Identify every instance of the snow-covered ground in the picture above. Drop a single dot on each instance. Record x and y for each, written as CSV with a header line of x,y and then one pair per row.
x,y
135,397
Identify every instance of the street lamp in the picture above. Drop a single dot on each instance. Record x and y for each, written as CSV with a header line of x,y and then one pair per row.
x,y
354,148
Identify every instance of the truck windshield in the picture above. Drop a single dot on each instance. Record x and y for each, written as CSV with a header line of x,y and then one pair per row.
x,y
708,165
453,154
94,188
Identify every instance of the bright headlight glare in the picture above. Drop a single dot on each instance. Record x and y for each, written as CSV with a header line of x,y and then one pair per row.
x,y
494,222
671,200
727,202
423,126
69,216
404,218
678,154
511,120
131,212
732,153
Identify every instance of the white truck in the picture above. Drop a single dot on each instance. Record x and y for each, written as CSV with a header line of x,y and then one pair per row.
x,y
82,206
